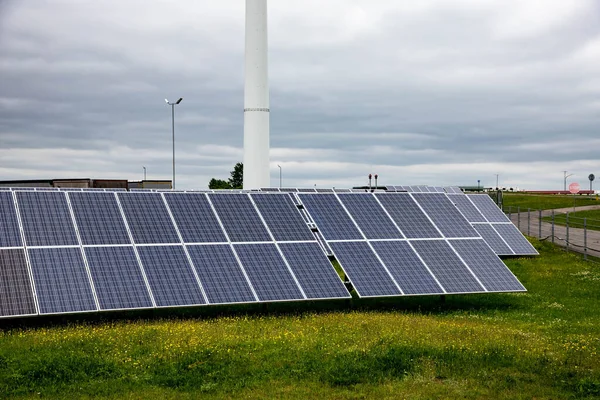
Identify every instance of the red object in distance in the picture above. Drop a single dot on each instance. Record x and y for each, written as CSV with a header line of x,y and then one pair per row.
x,y
574,187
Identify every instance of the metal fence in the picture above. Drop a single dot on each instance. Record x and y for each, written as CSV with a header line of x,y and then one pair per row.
x,y
577,234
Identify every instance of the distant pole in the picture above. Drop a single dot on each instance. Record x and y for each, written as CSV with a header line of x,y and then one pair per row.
x,y
478,185
497,187
565,180
144,173
173,131
279,175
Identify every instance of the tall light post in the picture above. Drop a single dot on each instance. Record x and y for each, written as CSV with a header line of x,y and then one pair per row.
x,y
144,173
497,175
173,125
279,175
565,179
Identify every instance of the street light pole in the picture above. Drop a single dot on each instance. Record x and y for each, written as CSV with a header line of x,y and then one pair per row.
x,y
279,175
173,130
565,179
497,181
144,173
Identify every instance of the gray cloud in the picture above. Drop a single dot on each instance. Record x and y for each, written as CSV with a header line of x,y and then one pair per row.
x,y
439,92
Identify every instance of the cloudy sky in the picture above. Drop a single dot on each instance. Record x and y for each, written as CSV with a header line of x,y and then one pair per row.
x,y
443,92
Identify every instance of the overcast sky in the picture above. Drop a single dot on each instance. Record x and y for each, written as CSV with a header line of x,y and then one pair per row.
x,y
439,92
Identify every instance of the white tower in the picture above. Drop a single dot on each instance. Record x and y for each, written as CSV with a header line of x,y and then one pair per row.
x,y
256,98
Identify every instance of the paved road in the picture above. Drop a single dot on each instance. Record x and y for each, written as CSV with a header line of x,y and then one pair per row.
x,y
529,224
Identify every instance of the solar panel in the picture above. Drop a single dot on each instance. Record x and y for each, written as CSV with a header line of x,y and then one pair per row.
x,y
10,235
324,190
313,271
445,265
467,208
329,215
439,189
268,273
408,216
239,217
16,293
493,239
98,218
445,215
290,190
220,274
269,189
486,265
117,278
488,208
367,274
370,216
282,217
46,219
148,218
307,190
515,239
170,276
341,190
195,218
61,280
407,269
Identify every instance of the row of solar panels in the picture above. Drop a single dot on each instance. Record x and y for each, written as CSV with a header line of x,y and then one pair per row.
x,y
492,224
75,251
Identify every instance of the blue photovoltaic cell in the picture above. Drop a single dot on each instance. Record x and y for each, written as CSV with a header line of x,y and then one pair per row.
x,y
407,269
488,208
491,271
148,218
467,208
282,217
493,239
314,271
117,277
333,221
10,235
16,293
170,276
220,274
61,280
449,270
445,215
515,239
240,218
267,272
367,274
370,216
46,219
407,215
98,218
195,218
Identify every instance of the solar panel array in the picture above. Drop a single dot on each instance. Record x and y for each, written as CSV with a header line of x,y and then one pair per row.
x,y
76,251
492,224
394,244
85,251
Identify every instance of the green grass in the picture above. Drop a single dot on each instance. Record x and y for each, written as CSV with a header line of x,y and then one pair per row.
x,y
576,219
545,202
542,344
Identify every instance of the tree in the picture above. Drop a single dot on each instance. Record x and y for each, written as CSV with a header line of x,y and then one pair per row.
x,y
235,182
218,184
237,176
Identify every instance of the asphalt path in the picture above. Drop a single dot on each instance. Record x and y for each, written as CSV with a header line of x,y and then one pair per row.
x,y
576,239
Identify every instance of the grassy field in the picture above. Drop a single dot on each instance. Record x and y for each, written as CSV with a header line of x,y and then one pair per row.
x,y
545,202
542,344
576,219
